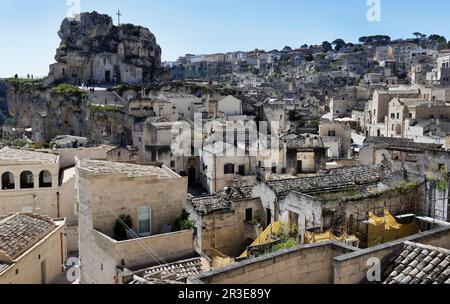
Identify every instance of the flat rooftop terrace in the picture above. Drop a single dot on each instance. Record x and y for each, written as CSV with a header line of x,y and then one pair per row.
x,y
97,167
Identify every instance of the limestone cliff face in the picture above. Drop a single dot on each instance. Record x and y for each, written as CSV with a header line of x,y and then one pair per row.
x,y
94,49
50,112
3,102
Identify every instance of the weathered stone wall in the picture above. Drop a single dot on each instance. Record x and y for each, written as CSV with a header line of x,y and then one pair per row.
x,y
39,200
67,156
352,268
114,195
230,230
309,264
154,250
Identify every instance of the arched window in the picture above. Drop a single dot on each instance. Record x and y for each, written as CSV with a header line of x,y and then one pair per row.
x,y
45,179
26,180
8,181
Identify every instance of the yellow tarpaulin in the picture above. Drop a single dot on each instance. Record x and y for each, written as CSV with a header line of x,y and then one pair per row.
x,y
219,260
386,229
312,238
273,229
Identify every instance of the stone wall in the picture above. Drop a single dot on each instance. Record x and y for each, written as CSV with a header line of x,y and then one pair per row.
x,y
163,248
352,268
67,156
309,264
230,233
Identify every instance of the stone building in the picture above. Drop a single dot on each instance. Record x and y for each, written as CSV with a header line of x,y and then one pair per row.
x,y
228,221
226,165
334,200
303,154
406,113
32,249
426,160
337,137
93,50
30,183
379,108
229,106
152,197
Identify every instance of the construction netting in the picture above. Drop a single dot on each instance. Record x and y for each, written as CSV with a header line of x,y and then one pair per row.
x,y
313,238
386,229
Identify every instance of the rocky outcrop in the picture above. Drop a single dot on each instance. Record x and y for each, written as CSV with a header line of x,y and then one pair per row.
x,y
94,49
3,102
53,111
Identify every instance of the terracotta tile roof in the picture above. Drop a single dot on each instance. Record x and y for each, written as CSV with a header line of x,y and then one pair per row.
x,y
421,264
337,179
20,232
172,273
222,200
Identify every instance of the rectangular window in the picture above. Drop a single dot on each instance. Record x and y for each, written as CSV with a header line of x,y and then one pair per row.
x,y
332,133
228,169
249,215
145,218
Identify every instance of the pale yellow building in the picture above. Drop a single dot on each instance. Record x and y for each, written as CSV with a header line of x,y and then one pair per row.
x,y
32,249
152,197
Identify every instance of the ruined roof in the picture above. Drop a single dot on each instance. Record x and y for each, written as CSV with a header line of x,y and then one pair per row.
x,y
174,272
16,155
421,264
391,142
114,168
212,203
237,193
19,232
337,179
303,141
221,201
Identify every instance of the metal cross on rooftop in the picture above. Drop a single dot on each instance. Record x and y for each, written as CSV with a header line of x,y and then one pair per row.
x,y
118,17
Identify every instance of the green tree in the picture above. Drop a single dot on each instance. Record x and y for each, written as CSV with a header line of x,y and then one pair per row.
x,y
183,222
339,44
438,39
327,46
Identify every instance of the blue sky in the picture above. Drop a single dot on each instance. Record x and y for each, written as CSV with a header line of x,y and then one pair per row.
x,y
28,29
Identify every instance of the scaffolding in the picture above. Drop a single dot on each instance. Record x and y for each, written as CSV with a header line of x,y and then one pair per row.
x,y
429,211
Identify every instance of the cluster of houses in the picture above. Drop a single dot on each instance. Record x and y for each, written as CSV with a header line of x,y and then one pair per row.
x,y
322,161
